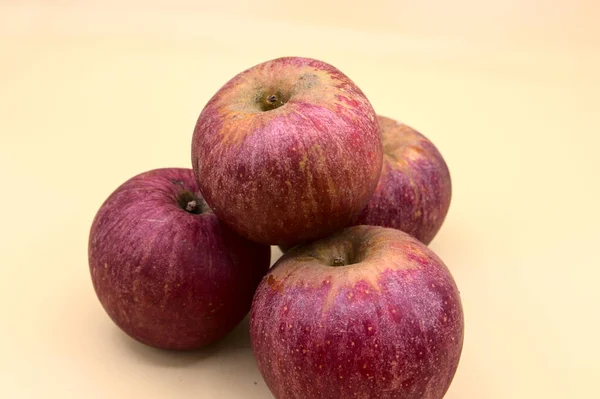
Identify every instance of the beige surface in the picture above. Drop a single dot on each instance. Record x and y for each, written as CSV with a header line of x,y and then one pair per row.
x,y
508,90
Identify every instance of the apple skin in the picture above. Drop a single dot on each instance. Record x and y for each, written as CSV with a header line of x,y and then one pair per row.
x,y
287,151
388,326
414,189
170,278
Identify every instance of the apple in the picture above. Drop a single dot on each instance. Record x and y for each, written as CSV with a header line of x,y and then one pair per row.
x,y
287,151
369,312
164,268
414,189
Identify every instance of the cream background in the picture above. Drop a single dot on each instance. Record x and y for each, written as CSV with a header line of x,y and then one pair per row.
x,y
92,93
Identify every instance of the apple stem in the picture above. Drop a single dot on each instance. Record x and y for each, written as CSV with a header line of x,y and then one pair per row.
x,y
191,206
191,202
271,101
339,261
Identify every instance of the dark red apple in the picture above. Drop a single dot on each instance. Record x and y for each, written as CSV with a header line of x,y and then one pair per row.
x,y
166,271
414,189
369,312
287,151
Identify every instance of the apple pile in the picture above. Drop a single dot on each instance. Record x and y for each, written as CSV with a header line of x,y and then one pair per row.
x,y
290,152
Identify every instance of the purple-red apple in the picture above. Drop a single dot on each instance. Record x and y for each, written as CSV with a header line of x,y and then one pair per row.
x,y
164,268
369,312
287,151
414,189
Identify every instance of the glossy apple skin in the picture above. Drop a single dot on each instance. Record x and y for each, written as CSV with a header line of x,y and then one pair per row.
x,y
296,172
167,277
414,189
388,326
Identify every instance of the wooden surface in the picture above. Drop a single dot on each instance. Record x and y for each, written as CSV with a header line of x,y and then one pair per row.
x,y
92,93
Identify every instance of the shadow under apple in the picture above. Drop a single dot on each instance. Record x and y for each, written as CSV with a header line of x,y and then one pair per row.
x,y
236,341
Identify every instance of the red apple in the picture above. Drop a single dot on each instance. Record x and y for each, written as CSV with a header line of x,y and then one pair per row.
x,y
287,151
166,271
414,189
369,312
